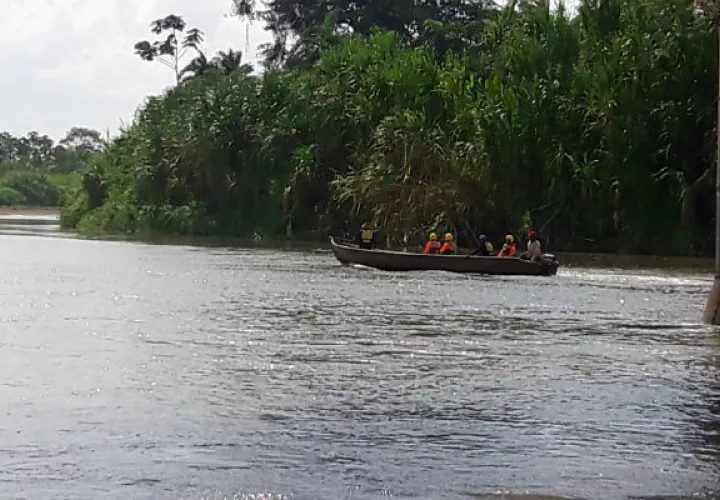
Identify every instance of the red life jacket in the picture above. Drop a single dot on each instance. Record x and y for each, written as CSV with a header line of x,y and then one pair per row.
x,y
508,251
432,246
447,248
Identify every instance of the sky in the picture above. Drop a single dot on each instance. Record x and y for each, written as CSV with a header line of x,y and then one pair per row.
x,y
69,63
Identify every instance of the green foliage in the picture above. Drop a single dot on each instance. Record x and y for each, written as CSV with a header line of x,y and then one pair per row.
x,y
65,183
171,50
316,25
83,142
36,171
39,153
224,63
74,207
28,188
11,197
35,188
596,130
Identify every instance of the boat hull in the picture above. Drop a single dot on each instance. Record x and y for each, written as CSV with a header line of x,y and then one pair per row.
x,y
387,260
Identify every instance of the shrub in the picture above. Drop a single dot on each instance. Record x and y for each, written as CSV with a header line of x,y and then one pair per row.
x,y
10,197
34,187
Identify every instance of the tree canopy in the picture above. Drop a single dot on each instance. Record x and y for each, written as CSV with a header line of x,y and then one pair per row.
x,y
36,171
36,151
299,20
172,50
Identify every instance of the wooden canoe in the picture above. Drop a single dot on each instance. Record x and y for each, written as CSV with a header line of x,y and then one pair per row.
x,y
387,260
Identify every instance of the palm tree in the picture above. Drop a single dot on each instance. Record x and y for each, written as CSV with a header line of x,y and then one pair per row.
x,y
231,62
195,68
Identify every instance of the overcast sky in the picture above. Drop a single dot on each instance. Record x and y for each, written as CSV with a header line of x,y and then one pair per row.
x,y
71,63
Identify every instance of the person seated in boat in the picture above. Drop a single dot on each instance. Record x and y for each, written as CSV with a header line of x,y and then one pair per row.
x,y
534,250
508,249
448,247
485,248
433,245
366,238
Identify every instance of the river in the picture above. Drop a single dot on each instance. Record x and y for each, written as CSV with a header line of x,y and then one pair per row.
x,y
133,370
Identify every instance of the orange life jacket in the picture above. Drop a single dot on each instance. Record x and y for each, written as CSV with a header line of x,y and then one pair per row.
x,y
432,247
447,248
508,251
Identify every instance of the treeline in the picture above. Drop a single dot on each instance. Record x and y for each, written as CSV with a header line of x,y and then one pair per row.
x,y
596,129
35,171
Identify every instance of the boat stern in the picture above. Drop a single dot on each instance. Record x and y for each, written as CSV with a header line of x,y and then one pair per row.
x,y
549,263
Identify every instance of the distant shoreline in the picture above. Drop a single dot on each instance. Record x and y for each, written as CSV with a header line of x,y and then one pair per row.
x,y
30,211
568,258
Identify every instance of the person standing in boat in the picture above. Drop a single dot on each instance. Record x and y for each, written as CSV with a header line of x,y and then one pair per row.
x,y
433,245
366,239
534,250
508,249
485,248
448,247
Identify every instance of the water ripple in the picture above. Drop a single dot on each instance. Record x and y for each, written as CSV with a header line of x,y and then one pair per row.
x,y
149,371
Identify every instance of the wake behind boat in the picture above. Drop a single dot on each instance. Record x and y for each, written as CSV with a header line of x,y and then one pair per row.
x,y
388,260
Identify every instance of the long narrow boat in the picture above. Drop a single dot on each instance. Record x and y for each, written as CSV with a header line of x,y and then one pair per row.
x,y
405,261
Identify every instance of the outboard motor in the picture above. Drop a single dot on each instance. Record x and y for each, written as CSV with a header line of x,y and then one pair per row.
x,y
549,262
547,259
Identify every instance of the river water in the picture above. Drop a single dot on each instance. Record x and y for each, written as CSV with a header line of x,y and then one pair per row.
x,y
132,370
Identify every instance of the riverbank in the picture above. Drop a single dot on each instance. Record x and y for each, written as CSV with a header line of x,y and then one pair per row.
x,y
30,211
567,259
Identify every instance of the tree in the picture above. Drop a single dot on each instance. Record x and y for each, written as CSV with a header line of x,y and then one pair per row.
x,y
39,149
83,141
312,42
195,68
224,63
230,62
598,130
9,147
292,19
171,50
76,148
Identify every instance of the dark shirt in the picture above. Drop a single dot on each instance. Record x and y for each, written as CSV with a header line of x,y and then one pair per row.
x,y
482,250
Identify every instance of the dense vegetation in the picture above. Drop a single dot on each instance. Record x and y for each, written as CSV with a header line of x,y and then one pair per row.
x,y
34,171
597,129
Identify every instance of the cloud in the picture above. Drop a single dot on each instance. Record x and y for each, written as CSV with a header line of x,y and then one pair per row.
x,y
71,63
